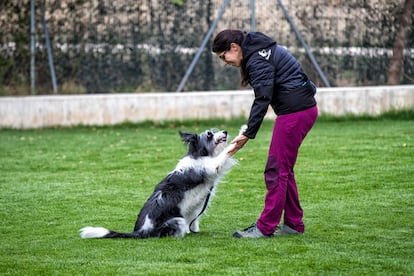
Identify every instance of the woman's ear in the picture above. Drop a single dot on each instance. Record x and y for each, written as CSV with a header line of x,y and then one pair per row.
x,y
234,46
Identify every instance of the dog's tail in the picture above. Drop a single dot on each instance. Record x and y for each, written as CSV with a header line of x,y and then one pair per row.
x,y
90,232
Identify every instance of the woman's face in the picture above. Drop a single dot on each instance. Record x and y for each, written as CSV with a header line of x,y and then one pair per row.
x,y
233,56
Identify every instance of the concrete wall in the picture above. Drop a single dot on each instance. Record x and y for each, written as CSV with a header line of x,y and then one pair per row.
x,y
108,109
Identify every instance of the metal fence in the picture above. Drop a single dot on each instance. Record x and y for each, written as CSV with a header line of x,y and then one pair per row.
x,y
109,46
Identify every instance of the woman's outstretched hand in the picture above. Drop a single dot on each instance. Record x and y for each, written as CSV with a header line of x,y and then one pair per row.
x,y
238,143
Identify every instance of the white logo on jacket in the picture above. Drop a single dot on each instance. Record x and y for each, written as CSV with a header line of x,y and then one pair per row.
x,y
265,54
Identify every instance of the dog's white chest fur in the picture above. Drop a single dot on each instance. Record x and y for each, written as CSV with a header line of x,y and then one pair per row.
x,y
196,199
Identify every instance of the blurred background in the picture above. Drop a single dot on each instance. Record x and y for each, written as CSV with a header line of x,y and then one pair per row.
x,y
129,46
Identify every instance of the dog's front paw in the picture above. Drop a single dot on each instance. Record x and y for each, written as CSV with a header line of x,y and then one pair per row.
x,y
194,227
230,150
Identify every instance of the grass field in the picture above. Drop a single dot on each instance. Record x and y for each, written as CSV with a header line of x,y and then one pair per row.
x,y
355,177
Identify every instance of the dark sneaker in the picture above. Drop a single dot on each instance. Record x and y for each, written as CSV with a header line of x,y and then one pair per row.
x,y
285,230
250,232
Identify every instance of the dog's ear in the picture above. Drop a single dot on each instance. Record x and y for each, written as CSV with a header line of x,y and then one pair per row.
x,y
188,137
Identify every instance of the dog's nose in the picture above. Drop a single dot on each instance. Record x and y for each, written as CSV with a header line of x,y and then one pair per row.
x,y
225,132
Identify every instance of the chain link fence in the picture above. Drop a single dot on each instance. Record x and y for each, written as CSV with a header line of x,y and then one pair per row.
x,y
110,46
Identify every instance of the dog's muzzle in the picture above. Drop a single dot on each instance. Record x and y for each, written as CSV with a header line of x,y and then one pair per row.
x,y
222,138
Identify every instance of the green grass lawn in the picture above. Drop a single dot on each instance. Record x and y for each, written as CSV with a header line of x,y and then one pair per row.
x,y
355,178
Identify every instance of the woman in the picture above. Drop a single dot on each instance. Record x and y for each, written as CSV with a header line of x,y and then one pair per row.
x,y
277,80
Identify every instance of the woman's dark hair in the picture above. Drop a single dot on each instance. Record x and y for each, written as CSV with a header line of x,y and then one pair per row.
x,y
222,43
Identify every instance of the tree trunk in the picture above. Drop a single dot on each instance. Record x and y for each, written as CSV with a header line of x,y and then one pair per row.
x,y
397,61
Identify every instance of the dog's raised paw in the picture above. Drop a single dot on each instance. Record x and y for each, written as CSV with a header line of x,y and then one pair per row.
x,y
243,128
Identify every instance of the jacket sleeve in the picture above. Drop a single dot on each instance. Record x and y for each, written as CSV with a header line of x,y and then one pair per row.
x,y
261,78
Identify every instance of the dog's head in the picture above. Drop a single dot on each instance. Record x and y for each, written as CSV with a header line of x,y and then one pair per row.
x,y
209,143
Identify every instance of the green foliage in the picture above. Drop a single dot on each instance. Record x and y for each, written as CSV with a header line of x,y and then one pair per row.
x,y
354,177
403,114
178,2
146,46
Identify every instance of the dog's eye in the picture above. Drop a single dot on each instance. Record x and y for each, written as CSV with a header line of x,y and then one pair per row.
x,y
210,134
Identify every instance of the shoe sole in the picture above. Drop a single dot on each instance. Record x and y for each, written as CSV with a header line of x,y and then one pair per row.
x,y
237,235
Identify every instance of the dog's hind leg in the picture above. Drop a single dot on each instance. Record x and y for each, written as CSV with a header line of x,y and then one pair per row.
x,y
174,227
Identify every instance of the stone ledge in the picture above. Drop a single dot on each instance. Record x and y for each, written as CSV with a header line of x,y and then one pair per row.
x,y
109,109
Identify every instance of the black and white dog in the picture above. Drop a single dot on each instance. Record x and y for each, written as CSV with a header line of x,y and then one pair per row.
x,y
178,201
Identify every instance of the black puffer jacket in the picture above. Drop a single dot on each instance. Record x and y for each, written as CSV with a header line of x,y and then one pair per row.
x,y
277,79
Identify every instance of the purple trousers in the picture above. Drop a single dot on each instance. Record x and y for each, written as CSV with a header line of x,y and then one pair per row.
x,y
282,193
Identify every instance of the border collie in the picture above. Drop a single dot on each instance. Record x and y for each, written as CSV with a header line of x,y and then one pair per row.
x,y
178,201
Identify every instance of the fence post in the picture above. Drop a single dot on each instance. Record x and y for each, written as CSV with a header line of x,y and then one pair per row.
x,y
32,47
252,16
302,41
49,49
203,44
